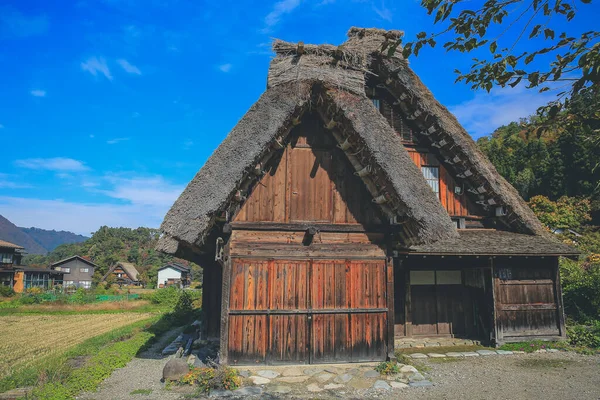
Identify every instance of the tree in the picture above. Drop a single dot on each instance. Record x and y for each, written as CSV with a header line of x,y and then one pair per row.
x,y
496,29
565,213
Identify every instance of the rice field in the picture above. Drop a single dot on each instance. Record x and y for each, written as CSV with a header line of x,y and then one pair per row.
x,y
24,339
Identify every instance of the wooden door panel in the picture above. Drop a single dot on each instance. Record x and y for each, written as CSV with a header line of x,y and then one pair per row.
x,y
311,192
424,310
288,339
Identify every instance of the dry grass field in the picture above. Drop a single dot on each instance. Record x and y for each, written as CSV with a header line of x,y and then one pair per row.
x,y
24,339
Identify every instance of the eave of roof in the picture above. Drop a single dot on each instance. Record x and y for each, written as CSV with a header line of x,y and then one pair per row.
x,y
72,258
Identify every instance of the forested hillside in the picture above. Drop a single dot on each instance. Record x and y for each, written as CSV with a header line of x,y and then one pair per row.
x,y
110,245
555,166
51,239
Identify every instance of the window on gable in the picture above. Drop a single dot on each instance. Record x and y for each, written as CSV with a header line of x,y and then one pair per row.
x,y
66,270
432,176
84,270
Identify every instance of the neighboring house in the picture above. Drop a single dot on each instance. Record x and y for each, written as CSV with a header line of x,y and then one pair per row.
x,y
174,274
77,271
124,273
348,207
20,277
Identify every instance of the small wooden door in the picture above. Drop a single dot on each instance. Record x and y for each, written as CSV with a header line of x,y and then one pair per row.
x,y
307,311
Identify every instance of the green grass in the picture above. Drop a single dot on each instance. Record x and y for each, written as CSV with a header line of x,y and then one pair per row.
x,y
532,346
120,344
537,363
441,349
145,392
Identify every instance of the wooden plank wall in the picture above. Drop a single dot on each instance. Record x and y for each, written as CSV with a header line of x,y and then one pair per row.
x,y
456,205
526,299
311,180
300,311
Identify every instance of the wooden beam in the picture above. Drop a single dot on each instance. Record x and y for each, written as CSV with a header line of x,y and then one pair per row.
x,y
559,299
407,304
299,227
224,342
495,288
391,314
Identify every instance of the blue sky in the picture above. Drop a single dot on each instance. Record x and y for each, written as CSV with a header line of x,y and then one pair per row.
x,y
108,108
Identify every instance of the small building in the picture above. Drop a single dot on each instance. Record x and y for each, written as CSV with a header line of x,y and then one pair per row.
x,y
124,273
174,274
349,208
77,271
10,257
33,277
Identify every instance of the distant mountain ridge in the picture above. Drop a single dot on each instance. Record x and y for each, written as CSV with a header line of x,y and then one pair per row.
x,y
36,240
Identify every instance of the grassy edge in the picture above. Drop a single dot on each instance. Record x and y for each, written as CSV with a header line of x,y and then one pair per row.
x,y
106,352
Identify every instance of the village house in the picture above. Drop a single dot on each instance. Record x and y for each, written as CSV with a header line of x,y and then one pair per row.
x,y
349,208
124,273
77,271
174,274
20,277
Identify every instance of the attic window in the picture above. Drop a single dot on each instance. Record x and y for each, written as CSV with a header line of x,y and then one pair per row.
x,y
432,176
376,103
405,132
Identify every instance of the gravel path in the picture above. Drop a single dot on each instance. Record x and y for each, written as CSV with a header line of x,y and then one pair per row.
x,y
552,376
142,373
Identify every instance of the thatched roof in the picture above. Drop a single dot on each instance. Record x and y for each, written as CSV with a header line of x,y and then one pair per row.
x,y
494,242
129,269
332,80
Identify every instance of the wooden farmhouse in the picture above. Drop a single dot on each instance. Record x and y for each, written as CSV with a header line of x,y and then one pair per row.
x,y
123,273
348,208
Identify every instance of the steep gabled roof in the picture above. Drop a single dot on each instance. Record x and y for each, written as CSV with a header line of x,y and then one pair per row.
x,y
332,80
129,269
73,258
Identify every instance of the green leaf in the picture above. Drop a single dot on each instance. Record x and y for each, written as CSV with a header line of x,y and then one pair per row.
x,y
535,31
493,47
549,33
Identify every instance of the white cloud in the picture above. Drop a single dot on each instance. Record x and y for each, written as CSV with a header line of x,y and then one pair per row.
x,y
129,68
141,201
279,9
485,112
11,182
225,67
117,140
15,23
52,164
38,93
95,65
82,218
383,12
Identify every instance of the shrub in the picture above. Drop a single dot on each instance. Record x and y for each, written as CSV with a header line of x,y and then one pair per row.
x,y
388,368
209,379
6,291
581,289
584,335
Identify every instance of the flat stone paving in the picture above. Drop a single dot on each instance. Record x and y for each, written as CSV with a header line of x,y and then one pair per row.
x,y
477,353
357,379
402,343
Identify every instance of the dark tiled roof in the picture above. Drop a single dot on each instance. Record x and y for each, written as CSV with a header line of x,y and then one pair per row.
x,y
493,242
10,245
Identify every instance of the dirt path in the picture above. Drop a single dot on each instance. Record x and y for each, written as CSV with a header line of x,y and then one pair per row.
x,y
142,374
553,376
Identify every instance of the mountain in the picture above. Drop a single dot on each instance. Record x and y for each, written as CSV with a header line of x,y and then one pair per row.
x,y
11,233
52,239
36,240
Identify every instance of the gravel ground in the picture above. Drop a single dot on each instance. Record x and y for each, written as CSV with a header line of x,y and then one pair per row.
x,y
142,373
552,376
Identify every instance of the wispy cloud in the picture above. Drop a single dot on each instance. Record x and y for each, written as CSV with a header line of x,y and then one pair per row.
x,y
144,191
12,182
225,67
128,67
279,10
95,65
485,112
383,12
38,93
117,140
59,164
16,24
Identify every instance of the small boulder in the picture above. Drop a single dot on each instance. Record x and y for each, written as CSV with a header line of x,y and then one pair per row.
x,y
259,380
314,388
398,385
267,373
372,374
381,385
175,369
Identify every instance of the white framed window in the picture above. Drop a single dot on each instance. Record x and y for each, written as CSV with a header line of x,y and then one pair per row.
x,y
84,270
6,258
441,277
85,284
66,270
432,176
68,283
58,269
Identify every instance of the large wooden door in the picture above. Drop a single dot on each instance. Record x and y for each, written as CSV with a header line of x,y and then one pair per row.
x,y
307,311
